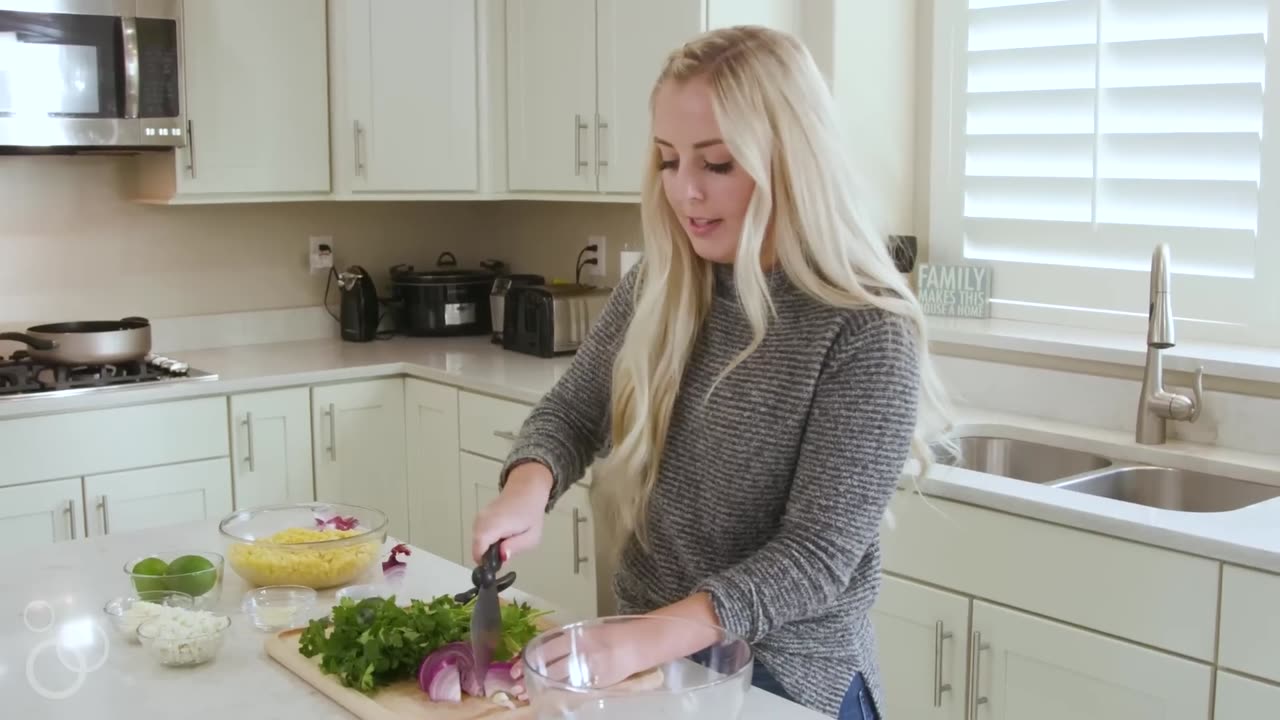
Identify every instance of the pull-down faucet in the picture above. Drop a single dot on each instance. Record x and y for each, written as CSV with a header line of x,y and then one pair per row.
x,y
1157,405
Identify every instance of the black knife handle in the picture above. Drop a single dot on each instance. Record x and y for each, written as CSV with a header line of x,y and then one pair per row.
x,y
486,573
504,582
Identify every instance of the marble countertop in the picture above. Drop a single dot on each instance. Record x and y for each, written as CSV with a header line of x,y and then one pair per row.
x,y
1248,537
51,620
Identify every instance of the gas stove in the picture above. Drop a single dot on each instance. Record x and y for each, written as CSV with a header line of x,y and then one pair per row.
x,y
22,377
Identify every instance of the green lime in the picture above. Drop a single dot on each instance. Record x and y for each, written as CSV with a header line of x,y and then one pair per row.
x,y
191,574
154,567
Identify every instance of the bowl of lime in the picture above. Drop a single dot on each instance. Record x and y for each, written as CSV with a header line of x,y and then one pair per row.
x,y
198,574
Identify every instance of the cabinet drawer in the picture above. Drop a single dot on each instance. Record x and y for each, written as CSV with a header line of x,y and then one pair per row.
x,y
100,441
1244,699
486,425
1250,622
1154,596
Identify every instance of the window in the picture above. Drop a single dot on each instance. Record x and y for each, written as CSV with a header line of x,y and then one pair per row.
x,y
1071,137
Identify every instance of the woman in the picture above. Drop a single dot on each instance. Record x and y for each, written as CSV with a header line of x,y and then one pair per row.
x,y
759,380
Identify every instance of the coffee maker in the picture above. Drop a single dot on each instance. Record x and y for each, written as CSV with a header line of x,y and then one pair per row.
x,y
359,311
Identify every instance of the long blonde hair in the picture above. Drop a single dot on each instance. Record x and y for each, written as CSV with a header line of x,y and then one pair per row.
x,y
778,120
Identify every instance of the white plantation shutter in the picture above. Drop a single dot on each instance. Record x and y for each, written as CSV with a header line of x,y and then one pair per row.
x,y
1080,133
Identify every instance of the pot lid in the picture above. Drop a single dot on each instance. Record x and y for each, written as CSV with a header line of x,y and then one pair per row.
x,y
405,274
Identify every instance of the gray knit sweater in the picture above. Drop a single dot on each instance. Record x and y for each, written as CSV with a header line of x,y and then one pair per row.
x,y
770,495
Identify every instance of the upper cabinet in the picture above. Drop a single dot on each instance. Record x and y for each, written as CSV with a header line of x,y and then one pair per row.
x,y
405,116
579,75
257,103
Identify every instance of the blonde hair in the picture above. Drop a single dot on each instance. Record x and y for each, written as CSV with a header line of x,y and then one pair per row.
x,y
778,120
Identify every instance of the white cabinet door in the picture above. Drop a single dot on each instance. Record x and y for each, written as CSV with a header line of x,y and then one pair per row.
x,y
358,431
431,437
634,39
257,97
271,447
41,513
158,496
405,95
561,569
921,634
1240,698
1029,667
551,94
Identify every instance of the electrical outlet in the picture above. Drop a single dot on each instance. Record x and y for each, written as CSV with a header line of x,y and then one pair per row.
x,y
597,269
320,253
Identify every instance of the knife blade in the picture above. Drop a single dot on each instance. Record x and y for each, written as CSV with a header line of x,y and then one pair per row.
x,y
486,620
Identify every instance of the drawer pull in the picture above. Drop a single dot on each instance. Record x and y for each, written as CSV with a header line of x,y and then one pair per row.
x,y
71,517
975,674
248,424
578,559
939,636
106,515
505,435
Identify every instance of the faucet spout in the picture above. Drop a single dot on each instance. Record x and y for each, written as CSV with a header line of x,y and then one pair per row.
x,y
1156,405
1160,312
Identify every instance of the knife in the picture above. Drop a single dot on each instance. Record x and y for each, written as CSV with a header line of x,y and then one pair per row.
x,y
486,621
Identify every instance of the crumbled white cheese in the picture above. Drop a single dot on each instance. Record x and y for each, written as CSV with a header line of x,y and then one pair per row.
x,y
178,636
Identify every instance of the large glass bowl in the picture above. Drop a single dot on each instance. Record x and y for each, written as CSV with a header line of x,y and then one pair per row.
x,y
304,544
562,669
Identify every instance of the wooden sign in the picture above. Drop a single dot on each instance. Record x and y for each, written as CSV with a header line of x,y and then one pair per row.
x,y
956,290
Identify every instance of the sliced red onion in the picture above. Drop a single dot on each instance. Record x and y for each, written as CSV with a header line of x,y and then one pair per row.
x,y
498,680
393,561
448,672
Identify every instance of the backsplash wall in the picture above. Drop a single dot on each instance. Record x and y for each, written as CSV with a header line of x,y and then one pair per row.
x,y
76,247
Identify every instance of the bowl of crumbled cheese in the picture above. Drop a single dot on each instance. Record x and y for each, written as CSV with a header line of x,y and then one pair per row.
x,y
128,612
315,545
178,637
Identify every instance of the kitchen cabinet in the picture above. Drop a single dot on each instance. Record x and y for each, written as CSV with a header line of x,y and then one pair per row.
x,y
922,634
271,447
1250,627
152,497
257,101
431,442
358,444
588,131
1022,666
41,513
404,95
562,568
1239,698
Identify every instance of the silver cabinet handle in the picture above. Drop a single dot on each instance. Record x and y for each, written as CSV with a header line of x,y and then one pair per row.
x,y
359,131
71,517
600,161
248,424
578,127
578,559
129,34
191,149
975,674
939,635
505,435
106,515
333,432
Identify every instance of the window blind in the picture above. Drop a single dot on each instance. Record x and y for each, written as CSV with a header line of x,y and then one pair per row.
x,y
1088,131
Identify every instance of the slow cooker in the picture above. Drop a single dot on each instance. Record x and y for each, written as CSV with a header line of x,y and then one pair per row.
x,y
445,301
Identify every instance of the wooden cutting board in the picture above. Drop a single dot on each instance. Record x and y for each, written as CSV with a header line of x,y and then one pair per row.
x,y
395,702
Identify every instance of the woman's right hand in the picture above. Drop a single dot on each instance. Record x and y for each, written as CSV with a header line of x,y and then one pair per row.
x,y
515,517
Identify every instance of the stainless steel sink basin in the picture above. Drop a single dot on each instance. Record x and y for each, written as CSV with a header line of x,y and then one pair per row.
x,y
1023,460
1172,489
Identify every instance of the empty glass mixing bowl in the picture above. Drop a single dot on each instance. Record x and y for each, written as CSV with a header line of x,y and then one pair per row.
x,y
562,670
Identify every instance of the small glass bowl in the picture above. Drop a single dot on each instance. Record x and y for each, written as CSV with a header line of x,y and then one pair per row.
x,y
185,652
279,607
126,623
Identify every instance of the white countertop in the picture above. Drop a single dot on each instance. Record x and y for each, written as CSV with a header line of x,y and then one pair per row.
x,y
76,578
1249,537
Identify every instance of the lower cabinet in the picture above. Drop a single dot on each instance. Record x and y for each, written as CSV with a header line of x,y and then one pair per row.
x,y
271,447
41,513
431,435
359,447
1022,666
154,497
562,568
922,634
1239,698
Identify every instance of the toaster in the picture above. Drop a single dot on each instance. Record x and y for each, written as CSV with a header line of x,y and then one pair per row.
x,y
550,320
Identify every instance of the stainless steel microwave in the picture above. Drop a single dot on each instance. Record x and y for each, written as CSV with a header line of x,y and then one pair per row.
x,y
91,74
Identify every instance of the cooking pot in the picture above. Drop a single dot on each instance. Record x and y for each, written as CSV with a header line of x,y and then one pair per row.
x,y
446,301
94,342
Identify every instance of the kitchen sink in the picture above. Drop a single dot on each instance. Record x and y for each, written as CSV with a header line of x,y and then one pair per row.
x,y
1172,489
1022,459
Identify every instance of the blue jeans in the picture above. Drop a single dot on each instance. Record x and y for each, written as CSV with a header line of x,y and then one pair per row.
x,y
857,704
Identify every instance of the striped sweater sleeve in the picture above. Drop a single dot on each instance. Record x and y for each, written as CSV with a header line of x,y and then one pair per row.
x,y
855,443
571,422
